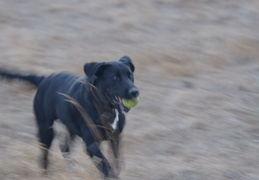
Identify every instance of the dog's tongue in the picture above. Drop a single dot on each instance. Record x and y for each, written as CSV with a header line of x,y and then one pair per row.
x,y
119,99
120,102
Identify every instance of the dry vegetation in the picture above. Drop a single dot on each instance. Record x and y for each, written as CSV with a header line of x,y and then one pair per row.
x,y
197,69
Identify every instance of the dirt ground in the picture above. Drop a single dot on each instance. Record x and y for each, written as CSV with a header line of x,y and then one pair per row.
x,y
197,69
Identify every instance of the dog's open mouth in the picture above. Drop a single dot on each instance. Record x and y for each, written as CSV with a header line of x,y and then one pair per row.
x,y
117,101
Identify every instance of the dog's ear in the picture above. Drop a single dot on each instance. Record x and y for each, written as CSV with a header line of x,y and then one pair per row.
x,y
93,68
128,62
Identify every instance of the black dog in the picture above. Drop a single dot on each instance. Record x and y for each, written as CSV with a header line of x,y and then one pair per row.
x,y
114,80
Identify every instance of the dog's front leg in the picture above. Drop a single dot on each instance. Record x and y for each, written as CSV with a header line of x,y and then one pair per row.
x,y
95,153
115,146
100,161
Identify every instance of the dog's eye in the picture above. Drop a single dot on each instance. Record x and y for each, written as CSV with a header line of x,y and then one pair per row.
x,y
130,76
116,77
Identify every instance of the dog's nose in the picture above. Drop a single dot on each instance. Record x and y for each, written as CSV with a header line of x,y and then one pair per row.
x,y
134,92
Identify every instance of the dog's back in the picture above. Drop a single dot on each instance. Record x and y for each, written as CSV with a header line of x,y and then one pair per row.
x,y
50,104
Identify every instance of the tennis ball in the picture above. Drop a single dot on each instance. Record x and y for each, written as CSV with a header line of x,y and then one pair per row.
x,y
130,103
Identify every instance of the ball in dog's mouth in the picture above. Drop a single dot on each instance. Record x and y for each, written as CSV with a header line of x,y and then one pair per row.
x,y
125,104
130,103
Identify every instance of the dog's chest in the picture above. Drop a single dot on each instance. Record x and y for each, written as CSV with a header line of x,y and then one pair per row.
x,y
114,124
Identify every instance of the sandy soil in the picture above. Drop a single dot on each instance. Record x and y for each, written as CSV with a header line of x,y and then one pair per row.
x,y
197,69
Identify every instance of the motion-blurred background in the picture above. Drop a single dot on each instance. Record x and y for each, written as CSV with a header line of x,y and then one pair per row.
x,y
197,68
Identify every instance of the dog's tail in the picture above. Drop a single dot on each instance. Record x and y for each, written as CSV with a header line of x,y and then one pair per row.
x,y
32,79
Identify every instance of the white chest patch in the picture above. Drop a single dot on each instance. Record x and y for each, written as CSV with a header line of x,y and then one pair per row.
x,y
116,119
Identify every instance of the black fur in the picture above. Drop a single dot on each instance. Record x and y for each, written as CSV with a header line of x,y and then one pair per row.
x,y
114,79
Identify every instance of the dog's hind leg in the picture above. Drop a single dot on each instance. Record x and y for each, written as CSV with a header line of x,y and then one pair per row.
x,y
45,117
45,132
65,147
65,144
46,135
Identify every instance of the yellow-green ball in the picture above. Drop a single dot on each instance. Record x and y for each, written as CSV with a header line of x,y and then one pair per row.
x,y
130,103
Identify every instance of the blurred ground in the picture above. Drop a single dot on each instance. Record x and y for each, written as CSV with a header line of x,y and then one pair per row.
x,y
197,68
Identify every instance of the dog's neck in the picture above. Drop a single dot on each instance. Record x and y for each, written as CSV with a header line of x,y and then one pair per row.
x,y
112,118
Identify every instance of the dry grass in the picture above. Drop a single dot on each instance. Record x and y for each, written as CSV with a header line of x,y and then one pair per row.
x,y
167,64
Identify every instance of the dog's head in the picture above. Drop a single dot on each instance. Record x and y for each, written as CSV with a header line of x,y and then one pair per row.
x,y
114,79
